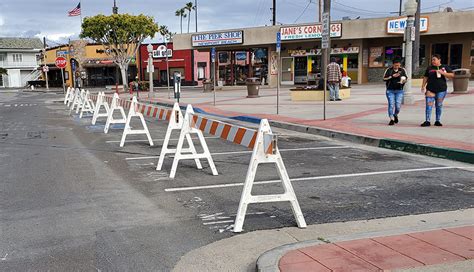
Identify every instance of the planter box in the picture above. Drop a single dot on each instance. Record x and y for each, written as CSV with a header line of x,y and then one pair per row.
x,y
316,95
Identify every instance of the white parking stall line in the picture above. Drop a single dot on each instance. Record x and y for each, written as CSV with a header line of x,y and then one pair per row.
x,y
218,222
193,188
131,141
250,151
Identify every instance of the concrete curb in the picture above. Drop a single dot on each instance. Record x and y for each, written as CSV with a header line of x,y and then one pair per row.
x,y
422,149
268,261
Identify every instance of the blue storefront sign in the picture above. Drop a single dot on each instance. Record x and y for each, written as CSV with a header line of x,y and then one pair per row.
x,y
219,38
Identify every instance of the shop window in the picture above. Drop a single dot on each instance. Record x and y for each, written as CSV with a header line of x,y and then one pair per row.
x,y
260,64
392,53
376,57
441,49
17,57
3,57
455,56
422,53
201,73
1,80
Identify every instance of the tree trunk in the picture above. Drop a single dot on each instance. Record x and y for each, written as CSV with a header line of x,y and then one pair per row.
x,y
181,24
123,70
189,19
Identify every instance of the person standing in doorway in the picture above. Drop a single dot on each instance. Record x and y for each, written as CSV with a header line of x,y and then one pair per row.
x,y
395,78
435,88
334,77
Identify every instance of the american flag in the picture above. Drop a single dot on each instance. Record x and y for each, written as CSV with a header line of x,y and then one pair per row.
x,y
76,11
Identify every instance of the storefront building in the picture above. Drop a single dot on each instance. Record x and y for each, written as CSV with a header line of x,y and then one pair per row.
x,y
89,65
363,48
191,64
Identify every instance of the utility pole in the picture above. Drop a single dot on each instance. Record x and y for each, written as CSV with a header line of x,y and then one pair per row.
x,y
274,12
115,8
326,20
416,44
320,11
196,13
400,9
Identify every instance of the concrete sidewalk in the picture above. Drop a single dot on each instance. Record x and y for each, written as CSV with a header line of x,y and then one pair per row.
x,y
361,118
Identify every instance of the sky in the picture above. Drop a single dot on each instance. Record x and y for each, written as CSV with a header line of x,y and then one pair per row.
x,y
48,18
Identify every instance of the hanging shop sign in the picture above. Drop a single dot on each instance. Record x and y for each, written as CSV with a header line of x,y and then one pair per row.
x,y
308,32
161,52
397,26
318,52
220,38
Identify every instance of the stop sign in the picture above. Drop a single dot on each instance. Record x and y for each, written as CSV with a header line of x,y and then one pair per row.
x,y
61,62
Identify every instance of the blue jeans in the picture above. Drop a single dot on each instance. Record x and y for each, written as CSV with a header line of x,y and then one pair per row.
x,y
438,102
395,98
333,90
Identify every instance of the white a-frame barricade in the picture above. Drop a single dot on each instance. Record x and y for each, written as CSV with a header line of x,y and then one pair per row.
x,y
76,101
100,102
87,104
67,96
110,119
133,112
72,96
266,150
176,121
82,97
190,152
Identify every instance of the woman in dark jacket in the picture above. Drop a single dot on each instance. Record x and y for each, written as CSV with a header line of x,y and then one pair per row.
x,y
395,78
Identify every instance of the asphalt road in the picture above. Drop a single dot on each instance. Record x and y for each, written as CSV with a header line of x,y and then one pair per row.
x,y
73,200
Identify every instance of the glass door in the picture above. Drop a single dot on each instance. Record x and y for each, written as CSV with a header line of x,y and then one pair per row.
x,y
301,70
287,77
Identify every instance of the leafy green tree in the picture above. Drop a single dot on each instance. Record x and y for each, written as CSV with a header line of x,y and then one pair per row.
x,y
181,13
121,35
3,71
189,7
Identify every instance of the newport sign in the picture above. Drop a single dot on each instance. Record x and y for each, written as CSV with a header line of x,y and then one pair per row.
x,y
397,26
219,38
308,32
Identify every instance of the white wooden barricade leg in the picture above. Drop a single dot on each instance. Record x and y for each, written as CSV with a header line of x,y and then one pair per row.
x,y
110,119
128,130
72,96
186,130
98,105
81,101
266,151
76,101
87,104
176,123
66,97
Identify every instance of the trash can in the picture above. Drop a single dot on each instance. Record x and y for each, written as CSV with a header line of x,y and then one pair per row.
x,y
208,86
461,80
253,86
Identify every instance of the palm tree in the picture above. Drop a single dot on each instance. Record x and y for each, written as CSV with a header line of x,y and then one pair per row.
x,y
182,14
189,7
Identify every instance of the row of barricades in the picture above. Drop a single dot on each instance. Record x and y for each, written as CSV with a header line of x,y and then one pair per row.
x,y
262,141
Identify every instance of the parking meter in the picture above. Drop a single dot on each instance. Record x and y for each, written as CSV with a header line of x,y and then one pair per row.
x,y
177,85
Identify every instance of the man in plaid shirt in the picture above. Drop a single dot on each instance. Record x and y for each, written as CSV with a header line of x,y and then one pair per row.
x,y
334,77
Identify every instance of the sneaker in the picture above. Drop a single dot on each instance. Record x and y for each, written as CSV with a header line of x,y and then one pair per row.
x,y
391,123
395,119
426,124
438,124
332,99
338,99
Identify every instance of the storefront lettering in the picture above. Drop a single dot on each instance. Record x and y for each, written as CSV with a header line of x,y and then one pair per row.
x,y
334,51
308,32
397,26
222,38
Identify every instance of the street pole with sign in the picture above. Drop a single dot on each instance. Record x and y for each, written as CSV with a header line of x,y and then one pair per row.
x,y
410,10
45,70
278,49
167,36
325,45
151,68
214,78
61,63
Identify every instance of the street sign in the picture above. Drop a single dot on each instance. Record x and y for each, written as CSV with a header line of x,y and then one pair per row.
x,y
150,68
326,31
45,69
278,44
213,54
61,62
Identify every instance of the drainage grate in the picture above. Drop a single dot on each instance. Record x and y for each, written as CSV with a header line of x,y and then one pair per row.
x,y
3,135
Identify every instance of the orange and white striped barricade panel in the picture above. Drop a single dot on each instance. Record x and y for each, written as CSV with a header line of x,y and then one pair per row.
x,y
87,105
266,151
175,123
115,106
76,101
182,154
100,102
68,94
133,112
82,97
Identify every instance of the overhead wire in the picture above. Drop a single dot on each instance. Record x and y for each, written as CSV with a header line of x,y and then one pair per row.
x,y
304,10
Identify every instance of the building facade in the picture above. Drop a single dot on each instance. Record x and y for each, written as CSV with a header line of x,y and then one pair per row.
x,y
364,48
20,57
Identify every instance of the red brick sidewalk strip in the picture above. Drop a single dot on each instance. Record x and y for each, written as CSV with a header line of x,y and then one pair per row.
x,y
384,253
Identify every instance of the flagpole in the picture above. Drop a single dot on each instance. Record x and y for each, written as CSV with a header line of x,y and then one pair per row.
x,y
80,13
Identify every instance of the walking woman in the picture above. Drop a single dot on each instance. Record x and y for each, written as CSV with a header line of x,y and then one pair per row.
x,y
395,78
435,88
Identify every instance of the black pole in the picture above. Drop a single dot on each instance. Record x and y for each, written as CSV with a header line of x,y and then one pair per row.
x,y
196,13
400,9
274,12
115,8
416,45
